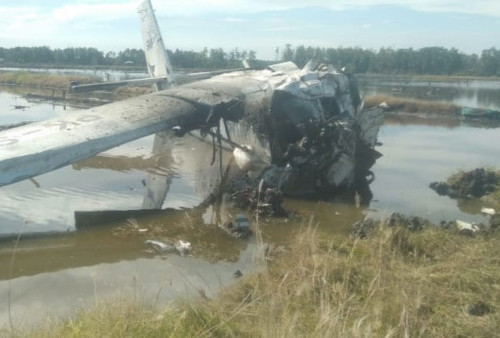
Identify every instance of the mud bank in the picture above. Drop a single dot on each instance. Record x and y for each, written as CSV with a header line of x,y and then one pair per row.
x,y
476,183
56,88
397,107
407,105
363,228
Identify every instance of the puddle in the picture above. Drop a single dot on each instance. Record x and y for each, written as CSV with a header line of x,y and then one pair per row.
x,y
75,268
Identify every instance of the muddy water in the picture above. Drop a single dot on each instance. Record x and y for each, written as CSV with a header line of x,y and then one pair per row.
x,y
56,274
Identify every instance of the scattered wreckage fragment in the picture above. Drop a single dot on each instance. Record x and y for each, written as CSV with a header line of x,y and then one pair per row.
x,y
180,247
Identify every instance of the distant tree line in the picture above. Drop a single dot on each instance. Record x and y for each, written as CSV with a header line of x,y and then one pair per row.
x,y
429,60
213,58
70,56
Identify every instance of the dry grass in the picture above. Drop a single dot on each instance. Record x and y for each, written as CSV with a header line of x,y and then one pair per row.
x,y
126,92
395,283
45,82
41,79
406,105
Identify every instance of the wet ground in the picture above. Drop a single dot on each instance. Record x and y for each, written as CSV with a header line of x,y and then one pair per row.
x,y
58,273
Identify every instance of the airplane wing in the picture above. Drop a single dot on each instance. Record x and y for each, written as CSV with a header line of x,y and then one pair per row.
x,y
115,84
40,147
179,78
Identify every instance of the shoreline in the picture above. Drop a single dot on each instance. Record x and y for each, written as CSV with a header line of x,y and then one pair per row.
x,y
442,282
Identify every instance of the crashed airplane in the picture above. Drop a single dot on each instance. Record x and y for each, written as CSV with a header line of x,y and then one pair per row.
x,y
303,131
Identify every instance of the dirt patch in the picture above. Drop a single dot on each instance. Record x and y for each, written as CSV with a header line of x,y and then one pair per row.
x,y
413,223
469,184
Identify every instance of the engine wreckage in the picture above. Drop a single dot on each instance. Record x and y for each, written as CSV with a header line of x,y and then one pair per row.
x,y
294,131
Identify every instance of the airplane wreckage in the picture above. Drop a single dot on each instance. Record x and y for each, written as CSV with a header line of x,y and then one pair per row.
x,y
295,131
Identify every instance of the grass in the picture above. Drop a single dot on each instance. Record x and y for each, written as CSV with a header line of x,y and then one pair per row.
x,y
394,283
45,82
407,105
41,79
432,78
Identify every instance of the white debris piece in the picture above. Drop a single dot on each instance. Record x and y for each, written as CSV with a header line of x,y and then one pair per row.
x,y
384,105
183,247
246,158
158,245
488,211
180,247
461,225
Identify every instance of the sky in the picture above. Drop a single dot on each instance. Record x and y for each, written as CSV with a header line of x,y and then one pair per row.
x,y
260,25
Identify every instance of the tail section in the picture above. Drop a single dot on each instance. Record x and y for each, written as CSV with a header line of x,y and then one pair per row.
x,y
156,56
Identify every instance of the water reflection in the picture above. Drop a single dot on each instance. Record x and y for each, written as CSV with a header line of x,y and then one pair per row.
x,y
98,74
416,155
474,93
132,275
172,177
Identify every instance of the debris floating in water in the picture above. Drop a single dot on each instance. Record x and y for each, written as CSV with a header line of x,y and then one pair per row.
x,y
159,246
180,247
488,211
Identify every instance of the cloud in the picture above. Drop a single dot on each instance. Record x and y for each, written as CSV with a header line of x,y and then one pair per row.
x,y
112,24
196,7
234,20
41,23
94,12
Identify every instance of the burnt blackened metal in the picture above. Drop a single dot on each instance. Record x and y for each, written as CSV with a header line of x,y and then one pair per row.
x,y
308,121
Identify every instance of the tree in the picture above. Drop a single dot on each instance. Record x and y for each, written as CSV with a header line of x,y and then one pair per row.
x,y
288,53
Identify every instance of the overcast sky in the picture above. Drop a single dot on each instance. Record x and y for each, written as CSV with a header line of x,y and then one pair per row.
x,y
260,25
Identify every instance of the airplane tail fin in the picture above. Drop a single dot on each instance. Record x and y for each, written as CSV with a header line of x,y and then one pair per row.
x,y
157,59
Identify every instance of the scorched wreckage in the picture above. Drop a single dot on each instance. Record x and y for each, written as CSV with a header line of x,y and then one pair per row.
x,y
302,131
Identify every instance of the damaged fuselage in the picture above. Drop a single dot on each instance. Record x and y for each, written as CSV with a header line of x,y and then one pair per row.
x,y
303,129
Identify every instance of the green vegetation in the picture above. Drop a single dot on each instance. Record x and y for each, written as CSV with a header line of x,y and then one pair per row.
x,y
206,59
423,61
69,56
432,283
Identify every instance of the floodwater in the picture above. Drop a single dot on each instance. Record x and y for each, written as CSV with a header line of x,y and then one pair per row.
x,y
54,275
99,74
468,93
